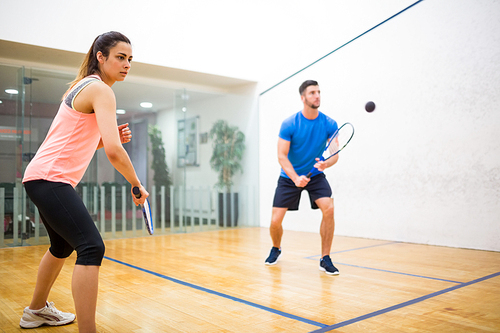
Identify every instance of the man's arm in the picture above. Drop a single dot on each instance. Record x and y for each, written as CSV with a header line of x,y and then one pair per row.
x,y
283,148
322,165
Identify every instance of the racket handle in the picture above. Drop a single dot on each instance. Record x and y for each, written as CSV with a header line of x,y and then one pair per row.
x,y
309,175
136,192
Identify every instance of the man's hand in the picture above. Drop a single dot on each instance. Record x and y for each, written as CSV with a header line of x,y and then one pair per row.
x,y
301,181
320,165
125,133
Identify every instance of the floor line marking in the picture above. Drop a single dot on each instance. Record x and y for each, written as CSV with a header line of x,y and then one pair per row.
x,y
401,273
314,257
355,249
404,304
213,292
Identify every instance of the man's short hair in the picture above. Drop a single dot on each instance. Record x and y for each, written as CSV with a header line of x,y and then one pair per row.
x,y
306,84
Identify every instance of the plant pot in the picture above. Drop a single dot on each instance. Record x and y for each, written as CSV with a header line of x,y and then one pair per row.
x,y
225,209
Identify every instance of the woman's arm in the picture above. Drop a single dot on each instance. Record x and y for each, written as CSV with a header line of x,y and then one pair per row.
x,y
125,135
104,105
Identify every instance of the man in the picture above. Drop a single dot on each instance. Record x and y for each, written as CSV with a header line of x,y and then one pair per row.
x,y
302,138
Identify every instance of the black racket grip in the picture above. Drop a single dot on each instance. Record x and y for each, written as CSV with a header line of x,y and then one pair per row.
x,y
136,192
309,175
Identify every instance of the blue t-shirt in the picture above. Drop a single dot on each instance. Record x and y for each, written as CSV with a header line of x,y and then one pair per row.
x,y
307,140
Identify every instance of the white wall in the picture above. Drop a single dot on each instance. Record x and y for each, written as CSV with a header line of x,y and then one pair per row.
x,y
425,166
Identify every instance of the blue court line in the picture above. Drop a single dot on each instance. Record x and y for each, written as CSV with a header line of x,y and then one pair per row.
x,y
364,33
378,269
401,273
190,285
355,249
366,247
404,304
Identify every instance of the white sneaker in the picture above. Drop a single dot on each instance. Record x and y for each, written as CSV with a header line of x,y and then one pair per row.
x,y
48,315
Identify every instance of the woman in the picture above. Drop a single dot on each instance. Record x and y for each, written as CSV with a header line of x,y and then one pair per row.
x,y
86,121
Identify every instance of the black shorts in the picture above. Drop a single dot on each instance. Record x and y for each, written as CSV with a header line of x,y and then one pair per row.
x,y
287,195
67,221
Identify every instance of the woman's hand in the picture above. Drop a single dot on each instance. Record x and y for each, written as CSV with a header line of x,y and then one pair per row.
x,y
125,133
142,198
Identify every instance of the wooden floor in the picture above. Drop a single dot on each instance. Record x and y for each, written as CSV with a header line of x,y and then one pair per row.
x,y
216,281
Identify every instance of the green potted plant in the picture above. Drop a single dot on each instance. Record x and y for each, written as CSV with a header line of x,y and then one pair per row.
x,y
228,147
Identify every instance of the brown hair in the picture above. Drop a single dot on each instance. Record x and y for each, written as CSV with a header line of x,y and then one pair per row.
x,y
306,84
103,43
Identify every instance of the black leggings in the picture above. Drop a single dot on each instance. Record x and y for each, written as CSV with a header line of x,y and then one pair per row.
x,y
68,223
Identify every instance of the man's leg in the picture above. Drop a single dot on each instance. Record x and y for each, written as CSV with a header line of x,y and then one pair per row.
x,y
276,231
327,227
326,230
276,228
287,196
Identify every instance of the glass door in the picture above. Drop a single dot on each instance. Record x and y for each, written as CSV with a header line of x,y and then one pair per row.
x,y
22,223
182,158
11,155
29,100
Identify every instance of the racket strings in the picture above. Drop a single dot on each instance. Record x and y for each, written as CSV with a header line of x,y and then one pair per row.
x,y
344,138
339,141
336,143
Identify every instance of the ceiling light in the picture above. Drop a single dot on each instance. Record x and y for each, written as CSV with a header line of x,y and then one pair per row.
x,y
120,111
184,109
1,102
12,91
146,105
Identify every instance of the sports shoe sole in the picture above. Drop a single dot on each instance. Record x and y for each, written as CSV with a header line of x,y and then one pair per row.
x,y
34,324
324,270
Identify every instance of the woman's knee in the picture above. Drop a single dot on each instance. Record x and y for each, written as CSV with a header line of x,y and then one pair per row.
x,y
91,254
61,252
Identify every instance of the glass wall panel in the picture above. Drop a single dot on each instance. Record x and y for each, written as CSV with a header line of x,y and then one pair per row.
x,y
171,150
11,136
215,175
25,118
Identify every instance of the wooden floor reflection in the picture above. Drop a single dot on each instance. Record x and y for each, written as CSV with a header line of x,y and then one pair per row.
x,y
216,281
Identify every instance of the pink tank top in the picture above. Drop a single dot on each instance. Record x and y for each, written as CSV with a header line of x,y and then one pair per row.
x,y
70,144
